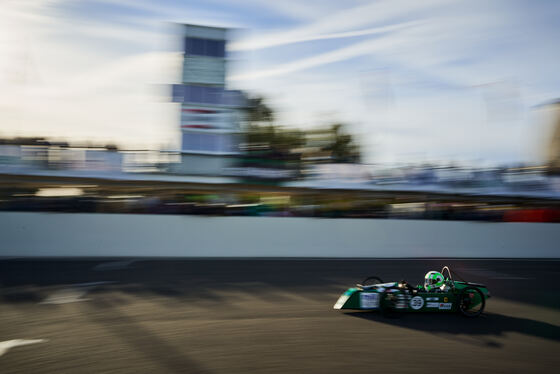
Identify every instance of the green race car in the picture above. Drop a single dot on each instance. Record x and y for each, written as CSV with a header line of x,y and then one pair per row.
x,y
438,294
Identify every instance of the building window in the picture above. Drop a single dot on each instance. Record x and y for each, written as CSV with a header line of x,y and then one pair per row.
x,y
205,47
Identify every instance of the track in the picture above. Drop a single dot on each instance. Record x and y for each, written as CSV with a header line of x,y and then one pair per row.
x,y
266,316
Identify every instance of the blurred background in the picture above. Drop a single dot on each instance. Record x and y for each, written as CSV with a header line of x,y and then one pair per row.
x,y
456,101
188,186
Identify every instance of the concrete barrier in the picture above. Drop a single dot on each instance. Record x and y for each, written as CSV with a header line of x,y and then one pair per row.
x,y
76,234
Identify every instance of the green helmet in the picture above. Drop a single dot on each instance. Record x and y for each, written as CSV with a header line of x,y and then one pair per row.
x,y
433,280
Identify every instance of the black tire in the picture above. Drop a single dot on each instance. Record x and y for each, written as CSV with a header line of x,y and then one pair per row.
x,y
464,301
389,306
371,281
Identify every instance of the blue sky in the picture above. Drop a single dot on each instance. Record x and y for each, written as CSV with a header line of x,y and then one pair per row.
x,y
415,80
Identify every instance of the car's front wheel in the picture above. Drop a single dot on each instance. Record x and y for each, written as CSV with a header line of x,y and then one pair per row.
x,y
471,302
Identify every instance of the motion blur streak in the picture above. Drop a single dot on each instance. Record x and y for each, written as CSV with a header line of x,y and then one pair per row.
x,y
276,138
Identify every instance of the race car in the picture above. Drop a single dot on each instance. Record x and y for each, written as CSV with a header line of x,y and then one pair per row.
x,y
437,294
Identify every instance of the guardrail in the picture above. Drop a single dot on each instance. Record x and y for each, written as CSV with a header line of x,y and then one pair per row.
x,y
90,235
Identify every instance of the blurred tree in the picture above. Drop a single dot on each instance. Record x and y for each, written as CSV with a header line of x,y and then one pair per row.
x,y
342,148
270,146
275,137
258,111
262,131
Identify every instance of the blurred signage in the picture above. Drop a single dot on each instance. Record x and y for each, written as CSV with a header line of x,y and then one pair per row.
x,y
201,118
197,94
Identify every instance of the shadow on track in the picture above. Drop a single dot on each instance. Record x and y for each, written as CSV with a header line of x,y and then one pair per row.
x,y
30,280
456,327
141,339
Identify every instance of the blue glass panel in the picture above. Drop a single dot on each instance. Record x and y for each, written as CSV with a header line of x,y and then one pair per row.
x,y
196,94
205,47
198,46
178,93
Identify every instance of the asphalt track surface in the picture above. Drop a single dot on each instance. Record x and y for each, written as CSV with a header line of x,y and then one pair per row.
x,y
267,316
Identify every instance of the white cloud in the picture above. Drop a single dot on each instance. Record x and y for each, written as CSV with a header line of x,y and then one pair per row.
x,y
357,49
114,101
294,9
342,22
54,85
282,39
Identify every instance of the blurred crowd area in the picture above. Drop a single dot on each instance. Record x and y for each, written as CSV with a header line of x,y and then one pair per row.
x,y
41,176
251,200
333,158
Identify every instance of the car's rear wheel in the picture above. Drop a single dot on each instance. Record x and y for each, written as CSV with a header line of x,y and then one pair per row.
x,y
389,307
471,302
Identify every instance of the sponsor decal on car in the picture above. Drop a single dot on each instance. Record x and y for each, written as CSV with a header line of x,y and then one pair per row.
x,y
445,306
445,299
369,300
416,302
401,301
432,299
432,305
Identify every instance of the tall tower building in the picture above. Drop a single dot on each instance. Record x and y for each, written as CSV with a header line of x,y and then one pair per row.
x,y
210,114
553,146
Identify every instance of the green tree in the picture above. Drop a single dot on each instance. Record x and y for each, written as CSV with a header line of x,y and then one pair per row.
x,y
269,140
259,111
343,148
262,130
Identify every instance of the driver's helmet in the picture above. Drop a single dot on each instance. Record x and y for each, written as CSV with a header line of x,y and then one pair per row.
x,y
433,280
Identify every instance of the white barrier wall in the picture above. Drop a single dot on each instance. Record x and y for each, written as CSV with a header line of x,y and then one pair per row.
x,y
72,234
